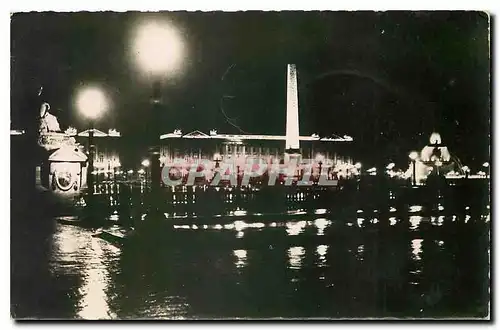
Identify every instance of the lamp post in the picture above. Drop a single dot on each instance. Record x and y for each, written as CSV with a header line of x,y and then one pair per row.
x,y
438,165
413,157
91,102
358,167
157,53
466,171
319,159
145,163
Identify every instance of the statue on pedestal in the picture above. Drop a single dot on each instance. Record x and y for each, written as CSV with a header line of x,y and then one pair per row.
x,y
48,122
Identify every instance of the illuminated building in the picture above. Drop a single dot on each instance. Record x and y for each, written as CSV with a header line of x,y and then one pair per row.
x,y
240,149
107,151
195,146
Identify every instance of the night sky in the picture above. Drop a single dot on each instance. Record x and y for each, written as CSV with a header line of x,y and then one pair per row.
x,y
388,79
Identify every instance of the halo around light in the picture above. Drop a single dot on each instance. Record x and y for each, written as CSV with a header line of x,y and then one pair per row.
x,y
91,102
413,155
157,48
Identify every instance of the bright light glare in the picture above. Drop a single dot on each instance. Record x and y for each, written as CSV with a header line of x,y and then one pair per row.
x,y
157,48
413,155
435,138
320,158
486,164
145,163
91,102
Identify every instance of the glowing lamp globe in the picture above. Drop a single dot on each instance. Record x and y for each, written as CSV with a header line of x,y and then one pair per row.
x,y
320,158
145,163
413,155
157,47
91,102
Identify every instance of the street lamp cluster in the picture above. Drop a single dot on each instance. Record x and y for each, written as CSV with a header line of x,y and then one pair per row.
x,y
157,51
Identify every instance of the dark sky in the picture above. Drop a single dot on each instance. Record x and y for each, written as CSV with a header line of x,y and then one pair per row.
x,y
388,79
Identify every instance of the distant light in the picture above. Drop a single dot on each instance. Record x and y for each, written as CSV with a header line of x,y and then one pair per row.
x,y
71,131
320,158
390,166
322,250
145,163
413,155
486,164
113,132
371,170
465,169
16,132
239,225
415,208
439,163
357,165
130,171
91,102
141,171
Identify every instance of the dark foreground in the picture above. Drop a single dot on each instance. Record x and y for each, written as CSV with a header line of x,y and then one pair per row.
x,y
411,253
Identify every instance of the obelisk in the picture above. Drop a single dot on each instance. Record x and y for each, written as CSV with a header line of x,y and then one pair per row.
x,y
292,145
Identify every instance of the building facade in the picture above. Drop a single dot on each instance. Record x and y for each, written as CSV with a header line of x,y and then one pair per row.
x,y
240,150
107,149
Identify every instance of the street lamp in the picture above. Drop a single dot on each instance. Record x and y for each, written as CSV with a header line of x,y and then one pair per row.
x,y
157,52
413,157
466,170
486,165
438,165
319,159
358,167
145,163
91,102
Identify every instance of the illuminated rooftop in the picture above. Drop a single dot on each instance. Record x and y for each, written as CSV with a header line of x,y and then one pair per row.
x,y
239,137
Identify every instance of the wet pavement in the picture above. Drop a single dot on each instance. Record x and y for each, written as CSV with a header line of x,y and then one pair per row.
x,y
401,253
